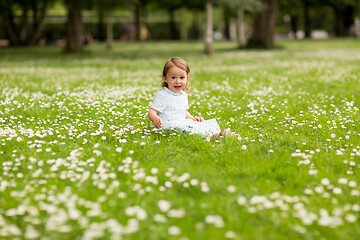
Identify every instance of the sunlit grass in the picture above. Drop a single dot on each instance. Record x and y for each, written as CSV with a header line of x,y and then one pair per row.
x,y
79,159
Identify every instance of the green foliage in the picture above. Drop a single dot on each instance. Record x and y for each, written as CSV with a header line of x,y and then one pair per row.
x,y
23,31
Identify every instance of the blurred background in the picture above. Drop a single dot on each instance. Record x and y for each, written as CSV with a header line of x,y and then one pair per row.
x,y
251,23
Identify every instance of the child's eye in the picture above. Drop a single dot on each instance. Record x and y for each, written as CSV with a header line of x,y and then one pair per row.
x,y
173,77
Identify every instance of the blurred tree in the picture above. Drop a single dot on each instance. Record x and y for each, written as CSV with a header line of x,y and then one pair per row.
x,y
206,5
100,6
74,28
139,6
344,11
109,23
171,7
195,7
307,20
238,8
262,35
303,11
185,24
23,33
104,9
292,9
228,16
209,27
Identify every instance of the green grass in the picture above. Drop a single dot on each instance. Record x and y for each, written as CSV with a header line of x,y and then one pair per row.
x,y
79,159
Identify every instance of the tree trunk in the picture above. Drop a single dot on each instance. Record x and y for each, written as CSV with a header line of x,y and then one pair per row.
x,y
263,26
226,24
38,24
11,28
307,21
137,19
172,25
209,28
75,34
100,24
349,18
109,31
22,34
294,25
194,30
241,38
344,18
184,31
23,30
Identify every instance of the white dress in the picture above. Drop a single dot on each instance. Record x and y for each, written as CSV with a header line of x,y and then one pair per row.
x,y
172,107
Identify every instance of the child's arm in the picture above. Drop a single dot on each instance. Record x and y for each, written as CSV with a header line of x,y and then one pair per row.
x,y
152,114
197,119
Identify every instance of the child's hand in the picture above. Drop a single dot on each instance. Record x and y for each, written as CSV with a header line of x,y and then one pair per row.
x,y
158,122
198,119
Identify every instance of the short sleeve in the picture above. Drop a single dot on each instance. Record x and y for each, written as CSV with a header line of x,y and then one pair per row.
x,y
159,102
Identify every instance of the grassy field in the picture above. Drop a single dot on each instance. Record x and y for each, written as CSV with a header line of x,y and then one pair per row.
x,y
79,160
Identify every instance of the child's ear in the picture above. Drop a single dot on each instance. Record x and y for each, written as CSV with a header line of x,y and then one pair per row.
x,y
188,77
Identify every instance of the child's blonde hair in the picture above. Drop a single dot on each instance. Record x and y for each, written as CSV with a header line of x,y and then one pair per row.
x,y
175,62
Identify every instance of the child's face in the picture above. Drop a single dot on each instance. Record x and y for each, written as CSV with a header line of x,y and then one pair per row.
x,y
176,78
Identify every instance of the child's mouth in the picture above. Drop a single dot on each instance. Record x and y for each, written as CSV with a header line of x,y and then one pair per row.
x,y
177,87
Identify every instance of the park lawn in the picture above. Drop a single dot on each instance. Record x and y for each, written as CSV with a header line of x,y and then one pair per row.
x,y
79,159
